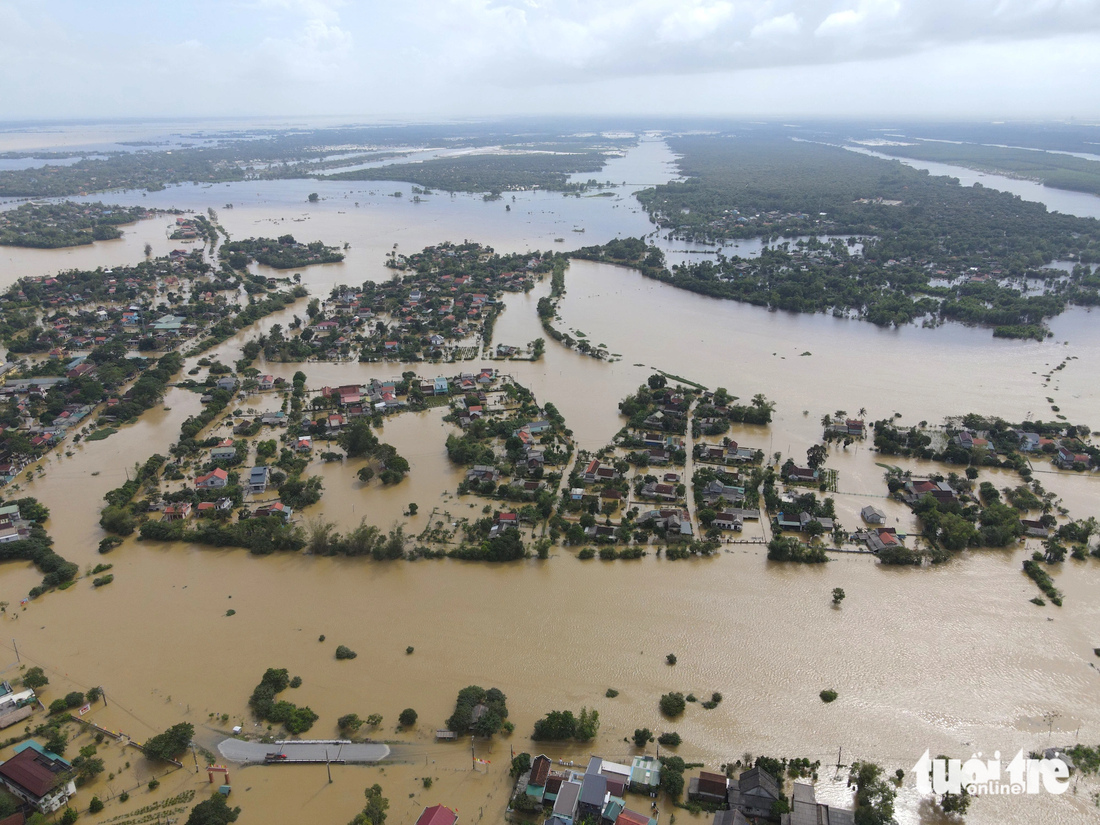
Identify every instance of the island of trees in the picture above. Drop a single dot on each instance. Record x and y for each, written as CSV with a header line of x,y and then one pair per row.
x,y
54,225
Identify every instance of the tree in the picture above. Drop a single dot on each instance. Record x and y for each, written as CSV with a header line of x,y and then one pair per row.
x,y
35,678
656,381
521,764
349,723
838,595
171,743
557,725
673,704
213,811
57,741
588,725
95,806
358,439
407,718
365,474
642,737
816,455
314,197
344,652
487,724
874,794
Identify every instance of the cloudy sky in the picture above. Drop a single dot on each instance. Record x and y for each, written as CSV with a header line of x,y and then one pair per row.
x,y
432,58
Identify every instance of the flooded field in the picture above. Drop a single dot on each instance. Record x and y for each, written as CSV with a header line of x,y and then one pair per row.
x,y
953,659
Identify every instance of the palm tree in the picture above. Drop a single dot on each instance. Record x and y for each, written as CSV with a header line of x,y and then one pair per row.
x,y
862,412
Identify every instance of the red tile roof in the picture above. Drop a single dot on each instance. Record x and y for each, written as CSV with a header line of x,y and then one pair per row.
x,y
437,815
28,769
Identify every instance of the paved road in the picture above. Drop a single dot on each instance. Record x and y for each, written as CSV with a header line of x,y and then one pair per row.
x,y
689,470
237,750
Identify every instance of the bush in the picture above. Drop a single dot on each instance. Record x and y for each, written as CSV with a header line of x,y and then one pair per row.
x,y
296,682
611,693
154,783
58,706
673,704
670,659
343,652
670,739
95,806
828,695
642,737
407,718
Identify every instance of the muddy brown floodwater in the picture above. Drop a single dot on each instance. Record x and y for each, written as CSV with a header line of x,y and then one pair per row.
x,y
953,659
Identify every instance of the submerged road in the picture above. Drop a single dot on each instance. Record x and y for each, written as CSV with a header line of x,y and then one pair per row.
x,y
315,750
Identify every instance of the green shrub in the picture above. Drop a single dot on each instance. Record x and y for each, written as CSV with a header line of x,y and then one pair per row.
x,y
828,695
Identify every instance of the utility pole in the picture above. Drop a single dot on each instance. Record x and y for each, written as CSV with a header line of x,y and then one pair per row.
x,y
838,765
473,759
13,644
328,767
103,693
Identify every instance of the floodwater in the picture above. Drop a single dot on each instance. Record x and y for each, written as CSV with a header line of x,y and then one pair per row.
x,y
952,659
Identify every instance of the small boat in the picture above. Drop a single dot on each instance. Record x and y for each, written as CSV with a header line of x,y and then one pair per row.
x,y
559,240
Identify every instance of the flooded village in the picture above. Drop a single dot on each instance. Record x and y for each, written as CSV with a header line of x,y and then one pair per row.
x,y
334,451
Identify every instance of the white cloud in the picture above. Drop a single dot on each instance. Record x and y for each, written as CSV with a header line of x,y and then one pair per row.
x,y
420,55
694,21
775,27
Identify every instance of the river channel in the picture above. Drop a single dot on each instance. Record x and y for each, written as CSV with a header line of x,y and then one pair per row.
x,y
953,659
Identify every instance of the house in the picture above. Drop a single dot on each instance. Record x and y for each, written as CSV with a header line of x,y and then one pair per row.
x,y
606,474
733,817
802,474
665,492
708,787
440,386
176,512
629,817
872,515
38,777
277,509
806,810
754,793
1029,442
265,382
224,450
540,772
257,480
213,480
593,795
878,540
206,509
565,806
788,522
482,472
1034,528
437,815
716,492
227,383
1067,459
805,519
645,774
591,470
304,444
728,521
